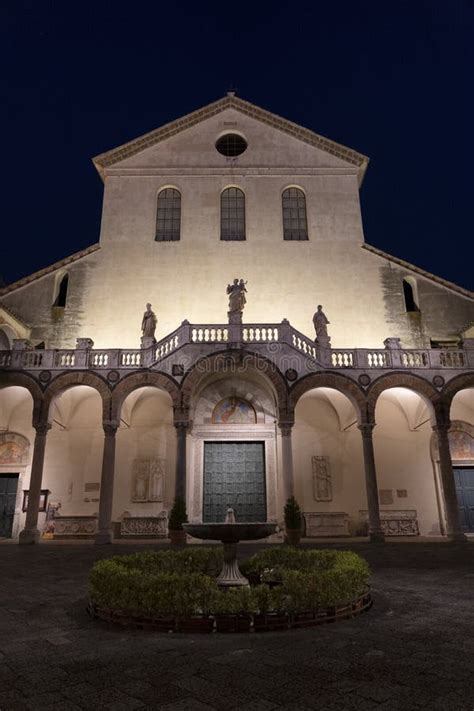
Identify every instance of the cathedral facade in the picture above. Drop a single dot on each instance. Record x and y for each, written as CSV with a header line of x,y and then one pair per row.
x,y
233,340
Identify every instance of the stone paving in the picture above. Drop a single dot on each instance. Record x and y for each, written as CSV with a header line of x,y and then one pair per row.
x,y
413,650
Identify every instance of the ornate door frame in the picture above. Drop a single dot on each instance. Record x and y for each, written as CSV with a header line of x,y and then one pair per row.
x,y
230,433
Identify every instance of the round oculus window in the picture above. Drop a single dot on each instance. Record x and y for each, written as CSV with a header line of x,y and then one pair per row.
x,y
231,145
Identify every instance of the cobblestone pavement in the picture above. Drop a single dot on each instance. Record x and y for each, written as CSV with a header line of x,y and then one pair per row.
x,y
413,650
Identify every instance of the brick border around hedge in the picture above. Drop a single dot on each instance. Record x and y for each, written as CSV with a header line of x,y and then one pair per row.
x,y
237,623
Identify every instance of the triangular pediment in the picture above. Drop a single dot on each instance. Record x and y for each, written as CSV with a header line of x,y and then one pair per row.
x,y
283,141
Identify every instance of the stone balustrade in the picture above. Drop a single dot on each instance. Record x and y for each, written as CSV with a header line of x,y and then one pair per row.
x,y
274,341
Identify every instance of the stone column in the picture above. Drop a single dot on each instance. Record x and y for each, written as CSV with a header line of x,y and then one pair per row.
x,y
104,533
287,459
376,534
454,531
180,485
30,533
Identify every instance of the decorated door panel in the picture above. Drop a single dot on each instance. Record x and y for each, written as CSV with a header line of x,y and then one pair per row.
x,y
234,475
464,479
8,489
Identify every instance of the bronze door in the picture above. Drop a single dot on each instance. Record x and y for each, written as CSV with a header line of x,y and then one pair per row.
x,y
8,487
234,475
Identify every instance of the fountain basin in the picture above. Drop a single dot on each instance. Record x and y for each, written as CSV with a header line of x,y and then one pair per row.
x,y
230,532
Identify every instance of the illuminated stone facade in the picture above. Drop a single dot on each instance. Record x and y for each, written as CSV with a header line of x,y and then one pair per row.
x,y
100,406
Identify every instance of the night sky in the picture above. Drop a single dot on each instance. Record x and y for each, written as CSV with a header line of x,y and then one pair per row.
x,y
393,80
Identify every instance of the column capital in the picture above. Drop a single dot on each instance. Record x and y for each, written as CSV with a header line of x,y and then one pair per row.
x,y
286,428
110,427
182,426
441,427
42,428
366,429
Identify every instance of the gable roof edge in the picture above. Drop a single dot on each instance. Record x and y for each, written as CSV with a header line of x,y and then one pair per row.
x,y
422,272
24,281
126,150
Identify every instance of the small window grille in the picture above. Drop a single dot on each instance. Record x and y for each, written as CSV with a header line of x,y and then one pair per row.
x,y
232,214
168,217
295,225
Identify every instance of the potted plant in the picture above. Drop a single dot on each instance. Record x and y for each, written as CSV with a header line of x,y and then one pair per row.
x,y
178,516
293,521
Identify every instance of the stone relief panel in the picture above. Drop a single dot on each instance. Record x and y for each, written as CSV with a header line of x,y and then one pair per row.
x,y
322,480
147,480
13,449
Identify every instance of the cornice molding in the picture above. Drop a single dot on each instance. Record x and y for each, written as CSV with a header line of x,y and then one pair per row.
x,y
126,150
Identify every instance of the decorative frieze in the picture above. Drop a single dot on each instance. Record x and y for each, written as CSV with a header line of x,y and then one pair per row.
x,y
397,523
144,527
75,526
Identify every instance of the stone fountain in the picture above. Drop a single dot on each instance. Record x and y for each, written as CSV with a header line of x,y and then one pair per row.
x,y
230,533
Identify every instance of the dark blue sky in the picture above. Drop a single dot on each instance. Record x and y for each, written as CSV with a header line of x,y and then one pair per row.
x,y
392,80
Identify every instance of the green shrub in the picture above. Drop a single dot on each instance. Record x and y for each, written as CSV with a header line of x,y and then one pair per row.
x,y
293,515
182,583
178,515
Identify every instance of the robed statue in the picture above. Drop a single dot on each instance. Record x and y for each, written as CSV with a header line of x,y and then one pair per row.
x,y
320,326
149,322
237,300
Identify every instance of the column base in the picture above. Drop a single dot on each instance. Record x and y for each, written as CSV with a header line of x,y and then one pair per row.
x,y
29,536
103,538
376,536
457,537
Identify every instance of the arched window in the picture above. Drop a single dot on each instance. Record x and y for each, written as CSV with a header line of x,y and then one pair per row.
x,y
61,297
168,216
295,225
232,214
410,295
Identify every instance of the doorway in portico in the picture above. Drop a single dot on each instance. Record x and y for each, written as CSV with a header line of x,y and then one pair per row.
x,y
234,475
8,493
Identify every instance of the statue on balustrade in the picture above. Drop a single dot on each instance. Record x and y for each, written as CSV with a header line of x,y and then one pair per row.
x,y
236,292
321,322
149,322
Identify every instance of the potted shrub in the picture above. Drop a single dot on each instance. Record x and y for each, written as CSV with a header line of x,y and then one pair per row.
x,y
178,516
293,521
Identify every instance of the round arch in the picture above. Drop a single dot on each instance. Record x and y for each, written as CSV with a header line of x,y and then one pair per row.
x,y
23,380
233,363
402,380
460,382
336,381
132,382
69,380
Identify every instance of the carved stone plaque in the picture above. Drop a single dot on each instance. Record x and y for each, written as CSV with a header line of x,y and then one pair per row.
x,y
322,484
148,476
385,496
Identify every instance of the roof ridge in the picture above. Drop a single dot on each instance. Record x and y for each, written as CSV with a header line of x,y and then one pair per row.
x,y
418,270
47,270
130,148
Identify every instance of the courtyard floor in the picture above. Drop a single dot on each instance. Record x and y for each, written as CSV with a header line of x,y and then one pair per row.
x,y
413,650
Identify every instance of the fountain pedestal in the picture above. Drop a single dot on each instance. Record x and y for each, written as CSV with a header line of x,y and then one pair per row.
x,y
230,534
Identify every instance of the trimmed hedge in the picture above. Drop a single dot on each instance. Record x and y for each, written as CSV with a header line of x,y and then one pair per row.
x,y
181,584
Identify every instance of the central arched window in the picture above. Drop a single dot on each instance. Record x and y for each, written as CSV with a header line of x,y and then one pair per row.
x,y
295,225
168,216
232,214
